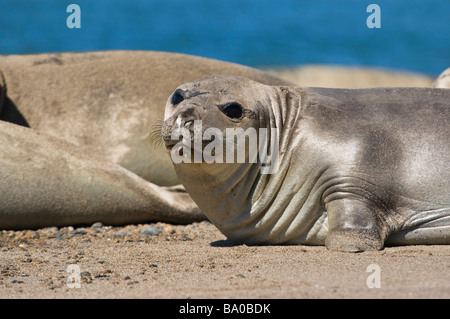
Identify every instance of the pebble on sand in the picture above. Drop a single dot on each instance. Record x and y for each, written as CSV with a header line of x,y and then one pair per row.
x,y
78,232
97,225
150,230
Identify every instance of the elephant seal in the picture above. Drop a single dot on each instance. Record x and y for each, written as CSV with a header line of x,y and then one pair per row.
x,y
351,77
357,168
443,81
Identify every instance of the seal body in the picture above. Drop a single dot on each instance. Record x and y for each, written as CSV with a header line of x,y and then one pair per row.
x,y
358,168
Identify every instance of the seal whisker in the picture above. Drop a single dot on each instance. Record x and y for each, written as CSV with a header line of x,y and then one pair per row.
x,y
155,137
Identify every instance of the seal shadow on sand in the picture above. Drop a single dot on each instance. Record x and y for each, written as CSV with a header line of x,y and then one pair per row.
x,y
10,113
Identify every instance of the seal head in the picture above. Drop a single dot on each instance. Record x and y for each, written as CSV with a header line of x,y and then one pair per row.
x,y
241,198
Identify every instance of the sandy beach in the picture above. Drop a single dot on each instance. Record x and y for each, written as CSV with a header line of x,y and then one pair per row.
x,y
196,261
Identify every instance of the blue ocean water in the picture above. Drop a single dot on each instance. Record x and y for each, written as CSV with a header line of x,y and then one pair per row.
x,y
414,34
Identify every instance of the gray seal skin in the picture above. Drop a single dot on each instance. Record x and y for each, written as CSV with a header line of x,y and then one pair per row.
x,y
443,81
358,168
87,153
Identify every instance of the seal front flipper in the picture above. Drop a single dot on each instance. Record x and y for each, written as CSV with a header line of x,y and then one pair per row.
x,y
354,226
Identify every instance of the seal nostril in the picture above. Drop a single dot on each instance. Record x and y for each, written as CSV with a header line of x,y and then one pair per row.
x,y
188,124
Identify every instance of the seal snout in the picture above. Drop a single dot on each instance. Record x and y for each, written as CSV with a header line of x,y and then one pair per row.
x,y
188,124
169,143
179,126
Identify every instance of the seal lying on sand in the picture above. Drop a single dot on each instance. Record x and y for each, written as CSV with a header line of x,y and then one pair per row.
x,y
357,168
101,106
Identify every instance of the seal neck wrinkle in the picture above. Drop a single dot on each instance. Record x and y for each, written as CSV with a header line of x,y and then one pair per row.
x,y
282,208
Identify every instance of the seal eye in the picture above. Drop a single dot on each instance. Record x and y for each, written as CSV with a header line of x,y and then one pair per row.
x,y
177,98
232,110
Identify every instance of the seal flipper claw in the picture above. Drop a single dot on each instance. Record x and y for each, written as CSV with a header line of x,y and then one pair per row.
x,y
352,241
353,226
